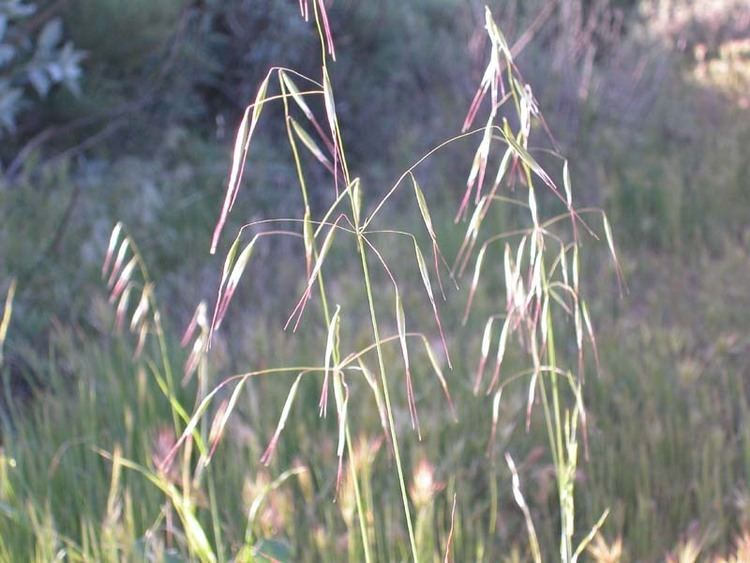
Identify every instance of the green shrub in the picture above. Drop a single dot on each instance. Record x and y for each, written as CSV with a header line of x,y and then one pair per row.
x,y
34,58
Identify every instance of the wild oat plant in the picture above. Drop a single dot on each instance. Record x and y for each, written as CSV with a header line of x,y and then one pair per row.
x,y
537,263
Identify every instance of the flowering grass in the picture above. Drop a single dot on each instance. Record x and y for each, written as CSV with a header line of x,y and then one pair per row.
x,y
541,277
459,439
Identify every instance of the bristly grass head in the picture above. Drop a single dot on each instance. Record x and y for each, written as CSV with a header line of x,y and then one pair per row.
x,y
541,280
124,278
539,295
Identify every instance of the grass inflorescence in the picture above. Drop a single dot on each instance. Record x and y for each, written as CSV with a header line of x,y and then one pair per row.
x,y
421,459
540,274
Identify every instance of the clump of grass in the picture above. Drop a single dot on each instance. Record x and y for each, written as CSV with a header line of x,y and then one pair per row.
x,y
543,301
541,266
541,276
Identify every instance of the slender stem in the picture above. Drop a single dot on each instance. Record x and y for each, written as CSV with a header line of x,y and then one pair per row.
x,y
386,397
327,319
358,497
339,143
561,470
381,362
348,438
215,520
319,27
202,376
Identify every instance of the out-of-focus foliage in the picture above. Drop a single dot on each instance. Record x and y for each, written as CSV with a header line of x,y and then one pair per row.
x,y
678,179
34,57
59,216
632,102
629,92
149,60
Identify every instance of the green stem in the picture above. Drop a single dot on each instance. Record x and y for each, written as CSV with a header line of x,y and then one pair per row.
x,y
386,397
378,347
561,462
348,438
373,316
552,417
327,319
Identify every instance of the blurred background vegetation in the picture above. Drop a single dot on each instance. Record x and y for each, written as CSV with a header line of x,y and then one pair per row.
x,y
126,110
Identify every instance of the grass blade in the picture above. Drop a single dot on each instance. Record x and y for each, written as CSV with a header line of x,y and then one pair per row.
x,y
518,497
